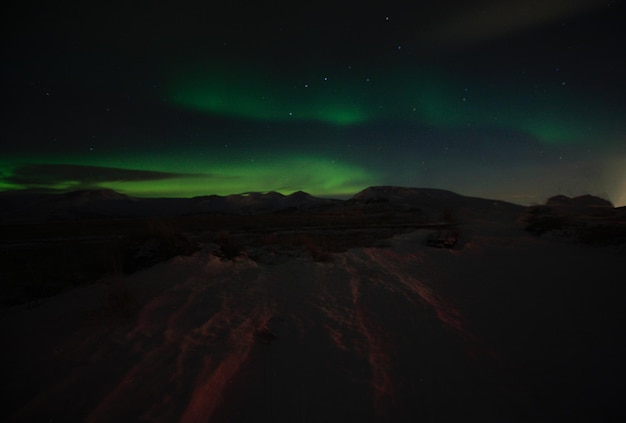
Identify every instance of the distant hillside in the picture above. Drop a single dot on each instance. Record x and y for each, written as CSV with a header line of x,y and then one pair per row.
x,y
103,202
255,203
18,205
581,201
429,201
587,219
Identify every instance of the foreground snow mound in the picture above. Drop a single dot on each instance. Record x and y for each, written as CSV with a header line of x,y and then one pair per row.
x,y
509,328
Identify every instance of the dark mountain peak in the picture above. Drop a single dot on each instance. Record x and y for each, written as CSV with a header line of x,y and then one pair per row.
x,y
92,195
300,195
397,193
256,195
273,194
89,195
580,201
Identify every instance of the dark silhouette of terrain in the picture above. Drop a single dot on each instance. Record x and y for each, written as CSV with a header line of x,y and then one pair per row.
x,y
398,304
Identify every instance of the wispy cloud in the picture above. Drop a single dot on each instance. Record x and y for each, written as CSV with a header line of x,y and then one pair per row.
x,y
486,20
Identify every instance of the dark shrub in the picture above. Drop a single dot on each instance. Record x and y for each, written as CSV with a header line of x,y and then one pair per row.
x,y
228,249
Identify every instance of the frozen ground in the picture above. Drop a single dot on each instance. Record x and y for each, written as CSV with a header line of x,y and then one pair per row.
x,y
506,326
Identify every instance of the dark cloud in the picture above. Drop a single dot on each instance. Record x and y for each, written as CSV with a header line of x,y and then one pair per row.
x,y
481,21
38,175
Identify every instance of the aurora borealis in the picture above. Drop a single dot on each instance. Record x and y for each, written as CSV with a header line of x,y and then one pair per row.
x,y
502,99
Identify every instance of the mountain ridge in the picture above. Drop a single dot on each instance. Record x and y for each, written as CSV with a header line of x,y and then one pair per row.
x,y
107,202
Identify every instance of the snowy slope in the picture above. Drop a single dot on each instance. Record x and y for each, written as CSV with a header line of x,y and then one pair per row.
x,y
509,327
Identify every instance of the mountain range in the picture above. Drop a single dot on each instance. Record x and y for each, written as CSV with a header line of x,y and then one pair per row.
x,y
17,205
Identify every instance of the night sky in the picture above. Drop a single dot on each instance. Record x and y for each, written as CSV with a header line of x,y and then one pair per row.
x,y
509,99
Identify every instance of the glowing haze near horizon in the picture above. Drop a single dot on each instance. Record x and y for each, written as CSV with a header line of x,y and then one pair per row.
x,y
512,100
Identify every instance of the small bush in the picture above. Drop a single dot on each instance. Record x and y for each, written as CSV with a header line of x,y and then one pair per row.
x,y
319,248
538,224
444,238
147,249
228,249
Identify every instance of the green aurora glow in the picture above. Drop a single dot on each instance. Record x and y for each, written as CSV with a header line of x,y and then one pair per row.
x,y
261,96
333,102
316,175
351,97
481,99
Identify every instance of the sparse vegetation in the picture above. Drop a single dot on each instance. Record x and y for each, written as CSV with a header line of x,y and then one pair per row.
x,y
539,224
319,248
447,234
147,249
444,238
228,249
41,260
